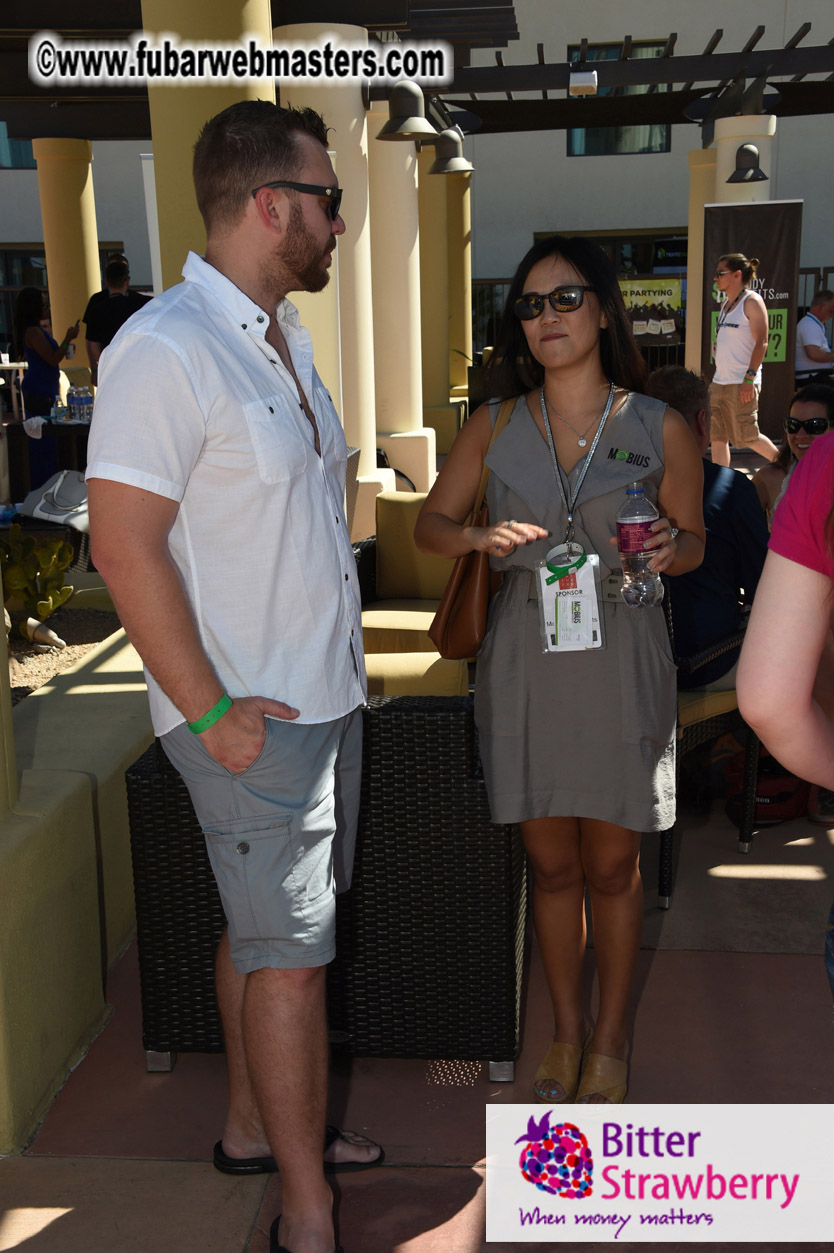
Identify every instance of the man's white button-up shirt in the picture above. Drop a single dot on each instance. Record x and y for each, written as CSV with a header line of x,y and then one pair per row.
x,y
195,405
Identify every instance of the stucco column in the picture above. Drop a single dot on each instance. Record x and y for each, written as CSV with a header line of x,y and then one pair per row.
x,y
70,235
434,286
439,410
459,227
340,104
395,261
149,188
730,134
701,192
178,113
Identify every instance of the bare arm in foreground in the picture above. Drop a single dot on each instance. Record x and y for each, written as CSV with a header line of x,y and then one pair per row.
x,y
440,528
786,672
129,529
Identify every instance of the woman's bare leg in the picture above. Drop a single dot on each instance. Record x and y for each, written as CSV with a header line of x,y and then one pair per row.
x,y
552,846
611,861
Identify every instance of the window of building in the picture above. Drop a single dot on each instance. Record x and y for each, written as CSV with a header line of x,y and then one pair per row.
x,y
606,141
15,154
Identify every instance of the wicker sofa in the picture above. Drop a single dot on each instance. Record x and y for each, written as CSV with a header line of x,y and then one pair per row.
x,y
429,938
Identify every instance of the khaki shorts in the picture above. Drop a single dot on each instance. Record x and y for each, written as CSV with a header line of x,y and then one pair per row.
x,y
280,836
732,421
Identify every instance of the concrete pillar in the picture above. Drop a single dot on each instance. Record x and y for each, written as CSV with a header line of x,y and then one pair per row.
x,y
434,285
340,104
319,312
149,188
178,113
70,235
730,134
701,192
459,225
439,410
395,261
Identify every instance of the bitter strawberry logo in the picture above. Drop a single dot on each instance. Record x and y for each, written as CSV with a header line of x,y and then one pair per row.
x,y
557,1159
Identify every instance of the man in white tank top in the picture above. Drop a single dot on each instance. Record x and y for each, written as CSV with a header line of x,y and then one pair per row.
x,y
738,351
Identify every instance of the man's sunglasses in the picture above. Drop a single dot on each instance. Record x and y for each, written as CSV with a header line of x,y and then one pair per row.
x,y
812,426
333,194
721,273
561,300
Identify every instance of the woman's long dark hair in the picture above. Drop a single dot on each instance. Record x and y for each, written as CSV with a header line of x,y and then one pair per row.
x,y
28,311
512,368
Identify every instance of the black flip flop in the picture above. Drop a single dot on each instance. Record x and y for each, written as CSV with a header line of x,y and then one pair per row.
x,y
275,1247
267,1165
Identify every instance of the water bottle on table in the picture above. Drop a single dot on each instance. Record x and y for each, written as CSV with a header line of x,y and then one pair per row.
x,y
641,586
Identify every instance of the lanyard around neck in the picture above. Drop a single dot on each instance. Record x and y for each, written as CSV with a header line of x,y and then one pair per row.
x,y
725,313
569,498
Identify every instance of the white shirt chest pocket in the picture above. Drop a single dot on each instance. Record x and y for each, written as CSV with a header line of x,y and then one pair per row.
x,y
280,448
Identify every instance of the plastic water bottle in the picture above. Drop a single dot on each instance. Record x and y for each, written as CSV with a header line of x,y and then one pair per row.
x,y
641,586
72,402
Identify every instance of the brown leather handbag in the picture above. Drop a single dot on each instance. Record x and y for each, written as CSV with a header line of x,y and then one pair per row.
x,y
458,628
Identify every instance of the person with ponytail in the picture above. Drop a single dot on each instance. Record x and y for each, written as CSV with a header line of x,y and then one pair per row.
x,y
738,352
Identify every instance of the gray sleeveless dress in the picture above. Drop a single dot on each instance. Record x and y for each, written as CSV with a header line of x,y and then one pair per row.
x,y
582,734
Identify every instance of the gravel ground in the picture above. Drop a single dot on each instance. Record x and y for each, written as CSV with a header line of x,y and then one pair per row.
x,y
81,628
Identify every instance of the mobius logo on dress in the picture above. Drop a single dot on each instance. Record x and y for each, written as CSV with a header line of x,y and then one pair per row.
x,y
630,458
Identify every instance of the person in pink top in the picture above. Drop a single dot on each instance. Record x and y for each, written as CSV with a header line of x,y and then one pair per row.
x,y
786,692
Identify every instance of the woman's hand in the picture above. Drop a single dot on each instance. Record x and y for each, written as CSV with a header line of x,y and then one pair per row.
x,y
503,538
666,544
665,541
71,334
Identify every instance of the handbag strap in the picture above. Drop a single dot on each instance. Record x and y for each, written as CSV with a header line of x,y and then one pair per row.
x,y
500,422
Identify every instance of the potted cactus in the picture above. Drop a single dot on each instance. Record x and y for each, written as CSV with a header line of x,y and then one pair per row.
x,y
33,572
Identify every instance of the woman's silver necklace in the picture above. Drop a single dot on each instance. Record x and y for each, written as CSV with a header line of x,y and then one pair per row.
x,y
581,438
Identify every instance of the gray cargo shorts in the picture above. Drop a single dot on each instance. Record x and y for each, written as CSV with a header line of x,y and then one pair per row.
x,y
280,836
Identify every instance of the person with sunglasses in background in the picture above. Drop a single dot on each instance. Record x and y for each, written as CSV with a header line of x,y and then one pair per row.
x,y
576,734
811,415
738,352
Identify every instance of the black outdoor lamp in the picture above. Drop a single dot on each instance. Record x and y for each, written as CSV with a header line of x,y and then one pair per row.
x,y
449,149
747,166
407,114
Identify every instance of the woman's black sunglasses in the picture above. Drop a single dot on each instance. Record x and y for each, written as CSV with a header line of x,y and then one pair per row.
x,y
813,426
561,300
333,194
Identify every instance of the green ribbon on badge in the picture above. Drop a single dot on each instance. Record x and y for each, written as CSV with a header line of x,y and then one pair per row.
x,y
559,572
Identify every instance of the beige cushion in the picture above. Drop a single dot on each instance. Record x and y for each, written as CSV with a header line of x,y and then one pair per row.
x,y
401,570
700,703
398,626
415,674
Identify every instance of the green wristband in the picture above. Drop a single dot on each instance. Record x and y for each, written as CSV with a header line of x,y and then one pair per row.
x,y
213,715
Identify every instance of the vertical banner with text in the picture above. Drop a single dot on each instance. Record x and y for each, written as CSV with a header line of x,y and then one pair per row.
x,y
770,230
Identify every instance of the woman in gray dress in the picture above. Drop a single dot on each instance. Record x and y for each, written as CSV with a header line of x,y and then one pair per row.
x,y
577,745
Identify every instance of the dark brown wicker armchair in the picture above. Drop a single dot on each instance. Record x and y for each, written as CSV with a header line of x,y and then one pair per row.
x,y
429,938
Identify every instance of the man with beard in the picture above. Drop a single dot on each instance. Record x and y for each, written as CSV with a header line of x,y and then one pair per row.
x,y
216,480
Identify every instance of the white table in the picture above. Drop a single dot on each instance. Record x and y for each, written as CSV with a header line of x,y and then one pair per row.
x,y
20,366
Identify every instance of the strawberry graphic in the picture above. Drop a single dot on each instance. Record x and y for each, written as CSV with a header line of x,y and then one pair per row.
x,y
557,1159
